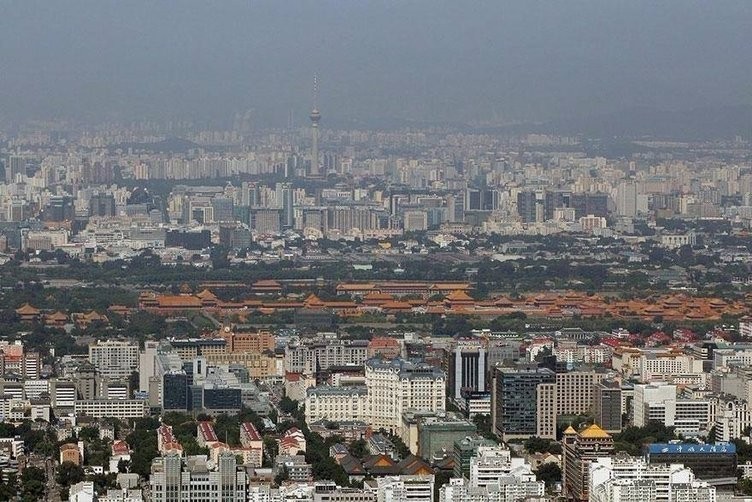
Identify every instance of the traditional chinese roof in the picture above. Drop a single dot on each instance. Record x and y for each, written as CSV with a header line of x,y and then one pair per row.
x,y
594,432
27,309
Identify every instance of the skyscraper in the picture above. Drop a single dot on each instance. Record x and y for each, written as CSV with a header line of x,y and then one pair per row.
x,y
468,366
285,200
315,118
517,400
527,203
15,166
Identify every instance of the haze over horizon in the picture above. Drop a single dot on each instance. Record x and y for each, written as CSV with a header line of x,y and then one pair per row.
x,y
425,61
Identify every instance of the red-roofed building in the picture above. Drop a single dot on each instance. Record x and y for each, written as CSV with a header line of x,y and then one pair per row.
x,y
120,451
205,435
252,440
292,442
166,442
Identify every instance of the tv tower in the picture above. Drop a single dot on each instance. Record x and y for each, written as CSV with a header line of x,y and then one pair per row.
x,y
315,118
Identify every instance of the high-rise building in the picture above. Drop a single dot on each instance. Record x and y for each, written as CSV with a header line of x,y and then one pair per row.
x,y
175,394
626,198
146,365
114,359
266,221
464,451
468,366
396,386
223,209
607,408
102,205
715,463
515,401
172,481
574,391
32,365
86,380
553,200
659,402
494,476
392,388
585,204
527,204
580,449
15,166
285,199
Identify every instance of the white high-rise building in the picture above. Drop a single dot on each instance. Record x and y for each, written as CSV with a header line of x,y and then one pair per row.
x,y
392,387
146,365
114,359
659,402
396,386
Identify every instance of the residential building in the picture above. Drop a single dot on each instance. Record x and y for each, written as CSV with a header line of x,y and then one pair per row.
x,y
405,488
624,478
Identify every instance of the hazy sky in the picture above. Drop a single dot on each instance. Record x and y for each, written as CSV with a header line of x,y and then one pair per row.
x,y
419,60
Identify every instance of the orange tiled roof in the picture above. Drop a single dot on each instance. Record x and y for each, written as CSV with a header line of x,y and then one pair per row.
x,y
27,309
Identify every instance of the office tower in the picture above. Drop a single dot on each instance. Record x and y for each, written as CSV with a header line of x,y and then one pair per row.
x,y
580,449
223,209
415,220
102,205
82,492
464,451
515,400
266,221
59,208
114,359
586,204
15,166
146,365
285,200
468,366
175,391
574,391
607,405
713,462
315,119
659,402
494,466
481,199
527,203
86,380
626,198
552,200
